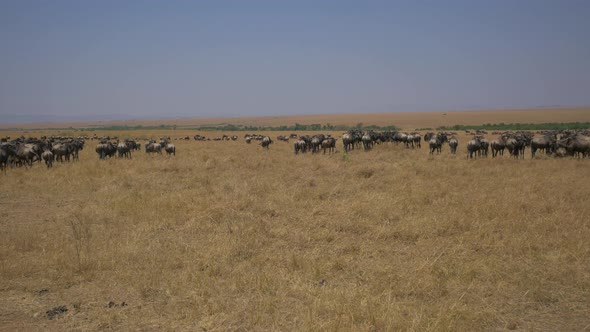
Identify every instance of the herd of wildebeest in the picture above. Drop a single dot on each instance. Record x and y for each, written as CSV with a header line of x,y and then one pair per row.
x,y
575,143
556,143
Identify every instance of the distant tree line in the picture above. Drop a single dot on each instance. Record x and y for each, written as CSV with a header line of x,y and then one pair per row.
x,y
231,127
520,126
326,127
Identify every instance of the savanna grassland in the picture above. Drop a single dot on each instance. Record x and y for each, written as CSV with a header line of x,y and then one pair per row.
x,y
403,120
227,236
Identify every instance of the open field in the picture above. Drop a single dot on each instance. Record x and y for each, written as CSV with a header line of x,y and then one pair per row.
x,y
404,120
227,236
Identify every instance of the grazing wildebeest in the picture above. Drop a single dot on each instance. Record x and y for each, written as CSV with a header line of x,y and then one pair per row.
x,y
6,151
510,143
25,154
485,147
300,146
330,144
248,139
453,143
124,149
577,145
316,142
307,140
367,141
48,158
544,143
498,145
75,146
473,147
60,150
436,141
347,142
417,140
516,146
399,137
153,147
266,141
170,149
105,149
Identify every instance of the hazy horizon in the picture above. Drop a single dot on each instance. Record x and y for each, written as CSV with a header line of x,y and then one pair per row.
x,y
110,60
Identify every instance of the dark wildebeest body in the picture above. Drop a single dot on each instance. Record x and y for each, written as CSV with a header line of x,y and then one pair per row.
x,y
498,145
47,156
435,141
124,149
170,149
25,154
517,147
106,149
60,150
6,151
484,147
300,146
153,147
544,143
473,147
266,141
453,143
316,142
329,144
347,142
367,142
578,145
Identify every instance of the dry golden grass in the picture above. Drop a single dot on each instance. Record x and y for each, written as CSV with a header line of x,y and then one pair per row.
x,y
226,236
405,120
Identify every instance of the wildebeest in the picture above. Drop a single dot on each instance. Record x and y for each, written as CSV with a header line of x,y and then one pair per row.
x,y
47,156
300,146
60,150
544,143
436,141
105,149
198,137
347,142
516,146
124,149
6,151
416,140
316,142
453,143
75,146
170,149
498,145
367,141
266,141
485,147
330,144
352,139
473,147
25,154
577,144
153,147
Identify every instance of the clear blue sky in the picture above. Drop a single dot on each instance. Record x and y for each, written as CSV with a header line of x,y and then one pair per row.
x,y
98,60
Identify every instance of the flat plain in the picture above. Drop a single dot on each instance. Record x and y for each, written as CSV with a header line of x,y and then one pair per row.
x,y
403,120
228,236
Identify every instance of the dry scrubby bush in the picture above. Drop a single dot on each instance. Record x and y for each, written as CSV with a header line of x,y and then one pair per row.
x,y
227,236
